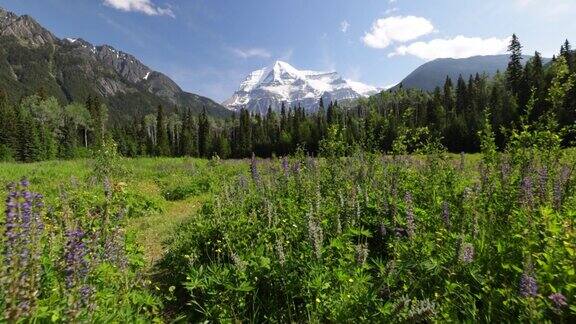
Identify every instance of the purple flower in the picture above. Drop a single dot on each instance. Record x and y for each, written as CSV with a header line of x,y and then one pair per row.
x,y
254,169
559,186
285,166
361,253
23,230
446,214
75,254
559,300
410,226
466,254
528,285
543,183
526,192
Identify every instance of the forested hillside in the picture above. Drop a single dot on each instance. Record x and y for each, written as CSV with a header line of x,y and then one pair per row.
x,y
39,127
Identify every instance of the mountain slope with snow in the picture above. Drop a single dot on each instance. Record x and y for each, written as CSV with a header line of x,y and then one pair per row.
x,y
282,83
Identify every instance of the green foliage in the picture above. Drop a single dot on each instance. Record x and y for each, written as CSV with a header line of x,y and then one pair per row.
x,y
377,238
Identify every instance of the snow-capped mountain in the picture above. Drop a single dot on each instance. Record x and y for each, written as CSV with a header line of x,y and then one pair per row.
x,y
281,82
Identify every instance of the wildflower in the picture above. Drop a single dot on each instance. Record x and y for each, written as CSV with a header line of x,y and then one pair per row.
x,y
543,183
237,261
466,254
296,167
254,169
280,251
559,185
107,188
361,253
23,228
526,195
315,234
462,161
286,166
446,214
528,285
75,253
409,215
559,300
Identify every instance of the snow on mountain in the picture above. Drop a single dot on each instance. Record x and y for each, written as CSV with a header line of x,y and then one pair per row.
x,y
282,83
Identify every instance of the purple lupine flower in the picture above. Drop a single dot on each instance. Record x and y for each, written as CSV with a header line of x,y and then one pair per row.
x,y
528,285
75,258
361,251
446,214
254,169
296,167
280,251
466,253
107,188
242,182
559,300
410,226
526,192
543,183
315,234
505,170
559,186
310,163
286,166
114,249
23,227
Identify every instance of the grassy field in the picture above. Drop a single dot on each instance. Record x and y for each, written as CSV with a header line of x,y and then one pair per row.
x,y
442,237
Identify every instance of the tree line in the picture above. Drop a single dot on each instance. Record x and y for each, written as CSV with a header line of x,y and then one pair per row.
x,y
39,128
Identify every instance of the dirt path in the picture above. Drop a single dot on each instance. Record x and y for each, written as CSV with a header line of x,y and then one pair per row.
x,y
152,231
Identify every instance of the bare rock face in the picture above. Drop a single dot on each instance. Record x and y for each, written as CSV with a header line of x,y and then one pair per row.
x,y
72,68
25,29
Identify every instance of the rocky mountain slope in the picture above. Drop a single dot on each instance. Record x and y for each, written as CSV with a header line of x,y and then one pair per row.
x,y
32,58
282,83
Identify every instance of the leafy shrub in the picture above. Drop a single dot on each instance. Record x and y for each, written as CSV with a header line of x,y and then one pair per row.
x,y
71,261
377,238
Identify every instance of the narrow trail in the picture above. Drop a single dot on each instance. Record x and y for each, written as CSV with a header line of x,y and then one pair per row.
x,y
153,230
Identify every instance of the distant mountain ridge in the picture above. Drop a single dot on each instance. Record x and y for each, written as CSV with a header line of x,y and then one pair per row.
x,y
432,74
31,57
282,83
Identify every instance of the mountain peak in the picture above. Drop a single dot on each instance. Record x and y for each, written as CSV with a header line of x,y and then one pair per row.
x,y
283,83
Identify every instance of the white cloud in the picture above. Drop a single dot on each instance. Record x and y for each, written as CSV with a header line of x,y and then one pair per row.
x,y
142,6
457,47
391,10
251,52
344,26
386,31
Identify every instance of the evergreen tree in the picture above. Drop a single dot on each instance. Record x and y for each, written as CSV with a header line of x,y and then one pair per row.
x,y
203,134
163,145
515,69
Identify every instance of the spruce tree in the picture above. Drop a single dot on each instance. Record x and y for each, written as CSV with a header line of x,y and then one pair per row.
x,y
515,67
162,143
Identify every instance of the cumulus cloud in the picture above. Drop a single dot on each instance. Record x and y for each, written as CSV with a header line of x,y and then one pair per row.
x,y
457,47
142,6
344,26
386,31
251,52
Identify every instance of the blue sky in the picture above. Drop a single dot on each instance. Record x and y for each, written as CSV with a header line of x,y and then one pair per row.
x,y
209,46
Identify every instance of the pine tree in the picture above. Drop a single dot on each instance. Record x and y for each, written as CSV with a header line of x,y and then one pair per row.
x,y
163,145
8,129
203,134
515,68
